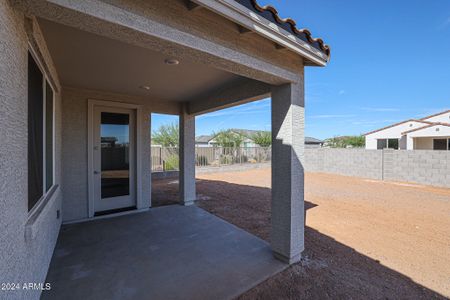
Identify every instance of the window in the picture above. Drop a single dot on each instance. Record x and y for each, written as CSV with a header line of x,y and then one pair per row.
x,y
393,144
387,143
440,144
381,144
40,134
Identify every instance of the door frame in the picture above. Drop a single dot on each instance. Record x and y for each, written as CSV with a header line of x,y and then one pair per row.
x,y
92,103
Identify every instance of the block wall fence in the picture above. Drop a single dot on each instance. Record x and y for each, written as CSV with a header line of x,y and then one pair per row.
x,y
418,166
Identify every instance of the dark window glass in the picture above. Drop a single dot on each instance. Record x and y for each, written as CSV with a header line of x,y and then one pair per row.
x,y
35,133
440,144
448,148
393,144
48,136
115,145
381,144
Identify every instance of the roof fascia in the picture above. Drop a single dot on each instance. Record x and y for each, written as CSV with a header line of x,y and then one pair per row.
x,y
243,16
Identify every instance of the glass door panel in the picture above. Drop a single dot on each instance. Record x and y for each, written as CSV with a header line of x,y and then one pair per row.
x,y
115,154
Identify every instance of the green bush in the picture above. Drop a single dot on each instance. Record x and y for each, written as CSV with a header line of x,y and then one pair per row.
x,y
171,163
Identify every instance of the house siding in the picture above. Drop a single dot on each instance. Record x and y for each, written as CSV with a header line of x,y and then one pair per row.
x,y
26,244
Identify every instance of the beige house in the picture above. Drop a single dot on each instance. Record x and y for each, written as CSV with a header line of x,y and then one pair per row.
x,y
79,81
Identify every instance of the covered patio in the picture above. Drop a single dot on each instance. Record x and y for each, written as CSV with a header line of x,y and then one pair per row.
x,y
171,252
107,65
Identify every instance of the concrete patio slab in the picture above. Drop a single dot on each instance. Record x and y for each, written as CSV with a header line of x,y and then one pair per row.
x,y
171,252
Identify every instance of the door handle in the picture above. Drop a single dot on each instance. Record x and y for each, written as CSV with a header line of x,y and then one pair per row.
x,y
96,172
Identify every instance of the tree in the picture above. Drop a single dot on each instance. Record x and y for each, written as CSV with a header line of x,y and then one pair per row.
x,y
357,141
262,138
228,138
166,135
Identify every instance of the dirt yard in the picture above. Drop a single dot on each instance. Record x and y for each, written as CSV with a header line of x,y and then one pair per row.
x,y
364,239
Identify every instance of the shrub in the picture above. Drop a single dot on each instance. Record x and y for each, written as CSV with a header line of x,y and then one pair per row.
x,y
172,163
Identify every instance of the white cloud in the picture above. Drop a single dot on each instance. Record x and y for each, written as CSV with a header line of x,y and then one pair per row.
x,y
379,109
373,122
331,116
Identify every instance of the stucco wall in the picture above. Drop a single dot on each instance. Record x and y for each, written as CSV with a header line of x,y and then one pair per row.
x,y
74,148
26,242
419,166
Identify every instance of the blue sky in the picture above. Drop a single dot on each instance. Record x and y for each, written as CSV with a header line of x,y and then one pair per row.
x,y
390,61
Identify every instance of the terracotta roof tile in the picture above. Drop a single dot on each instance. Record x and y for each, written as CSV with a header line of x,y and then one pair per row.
x,y
271,14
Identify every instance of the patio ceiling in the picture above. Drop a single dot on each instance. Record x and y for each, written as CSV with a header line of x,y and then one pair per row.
x,y
86,60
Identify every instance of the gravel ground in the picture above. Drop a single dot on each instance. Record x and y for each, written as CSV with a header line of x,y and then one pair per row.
x,y
364,239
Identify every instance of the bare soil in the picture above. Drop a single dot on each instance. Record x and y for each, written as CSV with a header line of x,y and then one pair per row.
x,y
364,239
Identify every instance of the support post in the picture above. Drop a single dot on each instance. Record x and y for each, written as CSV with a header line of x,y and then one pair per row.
x,y
288,217
187,157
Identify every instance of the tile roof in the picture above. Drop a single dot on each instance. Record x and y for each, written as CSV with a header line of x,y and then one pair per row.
x,y
311,140
435,115
399,123
270,13
203,138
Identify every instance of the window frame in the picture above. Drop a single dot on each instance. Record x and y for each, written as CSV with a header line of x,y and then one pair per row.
x,y
385,141
388,144
447,144
46,193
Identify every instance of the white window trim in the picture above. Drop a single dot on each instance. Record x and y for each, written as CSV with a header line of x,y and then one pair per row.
x,y
38,206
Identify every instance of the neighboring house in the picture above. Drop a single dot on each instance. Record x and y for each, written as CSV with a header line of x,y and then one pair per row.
x,y
204,141
208,140
429,133
74,72
311,142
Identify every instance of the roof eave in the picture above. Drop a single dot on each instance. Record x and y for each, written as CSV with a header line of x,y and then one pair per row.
x,y
246,18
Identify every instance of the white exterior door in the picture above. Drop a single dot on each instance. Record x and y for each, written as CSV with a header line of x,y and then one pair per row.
x,y
114,159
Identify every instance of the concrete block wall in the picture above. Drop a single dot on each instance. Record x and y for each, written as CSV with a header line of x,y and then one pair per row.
x,y
350,162
422,166
417,166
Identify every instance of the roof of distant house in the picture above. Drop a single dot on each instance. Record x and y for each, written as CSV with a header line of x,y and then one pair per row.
x,y
249,133
311,140
435,115
422,120
428,126
270,13
203,138
399,123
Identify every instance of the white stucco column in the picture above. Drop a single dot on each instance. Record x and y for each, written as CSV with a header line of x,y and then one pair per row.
x,y
409,143
187,157
287,235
